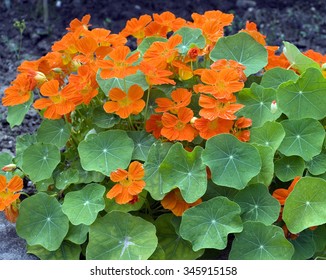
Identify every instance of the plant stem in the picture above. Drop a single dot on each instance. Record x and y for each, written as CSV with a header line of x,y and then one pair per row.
x,y
146,107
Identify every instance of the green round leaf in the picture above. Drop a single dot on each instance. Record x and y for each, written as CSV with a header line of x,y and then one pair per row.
x,y
257,103
274,77
124,84
190,37
257,204
106,151
271,134
233,163
66,178
40,160
260,242
304,245
121,236
317,165
169,239
67,251
147,42
16,114
298,60
82,206
208,224
287,168
214,190
304,98
242,48
266,174
142,143
153,176
306,205
22,143
303,138
42,222
186,171
55,132
77,234
103,119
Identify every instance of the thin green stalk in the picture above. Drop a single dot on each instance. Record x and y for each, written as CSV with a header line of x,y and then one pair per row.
x,y
146,107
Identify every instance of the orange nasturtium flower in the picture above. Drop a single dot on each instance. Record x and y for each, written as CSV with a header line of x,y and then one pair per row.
x,y
220,84
221,64
174,201
9,192
78,26
214,108
120,63
161,54
178,127
208,129
20,90
154,125
57,104
125,104
282,194
240,130
251,29
155,76
129,183
136,27
181,97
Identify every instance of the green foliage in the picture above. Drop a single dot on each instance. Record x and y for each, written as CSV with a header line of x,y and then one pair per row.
x,y
242,48
121,236
177,170
261,242
232,162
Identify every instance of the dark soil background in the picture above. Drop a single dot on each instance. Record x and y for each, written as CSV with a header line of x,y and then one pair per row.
x,y
300,22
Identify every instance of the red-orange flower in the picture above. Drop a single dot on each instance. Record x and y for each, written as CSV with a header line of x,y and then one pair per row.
x,y
282,194
124,104
221,64
240,130
155,76
275,60
9,192
208,129
20,90
212,24
129,183
251,29
181,97
154,125
214,108
178,127
136,27
78,26
57,104
85,85
162,53
119,64
220,84
174,201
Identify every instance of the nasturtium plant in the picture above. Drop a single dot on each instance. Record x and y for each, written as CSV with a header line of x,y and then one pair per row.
x,y
169,140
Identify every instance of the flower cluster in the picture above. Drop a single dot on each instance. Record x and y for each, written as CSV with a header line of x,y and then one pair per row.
x,y
9,196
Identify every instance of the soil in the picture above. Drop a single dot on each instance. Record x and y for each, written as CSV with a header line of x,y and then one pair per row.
x,y
300,22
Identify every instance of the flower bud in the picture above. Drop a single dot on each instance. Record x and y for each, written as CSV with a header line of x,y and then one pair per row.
x,y
192,121
9,167
273,106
